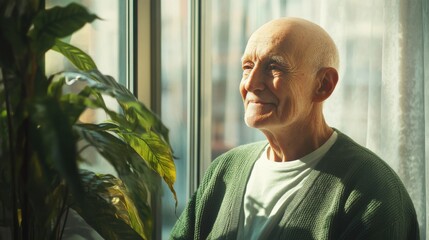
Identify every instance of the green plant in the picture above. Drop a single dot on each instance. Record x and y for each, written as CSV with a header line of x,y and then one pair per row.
x,y
42,138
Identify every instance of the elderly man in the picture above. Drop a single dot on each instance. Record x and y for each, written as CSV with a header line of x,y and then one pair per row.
x,y
309,181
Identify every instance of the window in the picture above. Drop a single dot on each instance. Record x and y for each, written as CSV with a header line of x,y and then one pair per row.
x,y
174,102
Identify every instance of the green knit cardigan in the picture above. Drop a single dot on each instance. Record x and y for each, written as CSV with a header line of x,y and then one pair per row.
x,y
351,194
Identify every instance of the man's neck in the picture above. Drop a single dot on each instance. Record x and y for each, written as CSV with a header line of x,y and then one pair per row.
x,y
297,141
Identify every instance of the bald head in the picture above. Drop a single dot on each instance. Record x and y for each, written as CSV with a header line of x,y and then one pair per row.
x,y
304,41
289,70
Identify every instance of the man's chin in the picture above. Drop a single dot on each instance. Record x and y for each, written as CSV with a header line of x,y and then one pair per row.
x,y
255,122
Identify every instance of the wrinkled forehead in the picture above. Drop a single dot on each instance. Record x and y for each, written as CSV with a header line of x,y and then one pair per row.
x,y
274,41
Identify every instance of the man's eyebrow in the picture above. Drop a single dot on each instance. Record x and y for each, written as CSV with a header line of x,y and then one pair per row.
x,y
279,60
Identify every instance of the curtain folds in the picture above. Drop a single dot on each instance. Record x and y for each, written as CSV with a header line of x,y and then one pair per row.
x,y
402,138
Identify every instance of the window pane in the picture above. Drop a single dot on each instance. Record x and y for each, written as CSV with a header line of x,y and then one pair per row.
x,y
174,59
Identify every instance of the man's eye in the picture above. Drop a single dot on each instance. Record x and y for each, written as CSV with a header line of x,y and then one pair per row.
x,y
247,67
275,70
273,67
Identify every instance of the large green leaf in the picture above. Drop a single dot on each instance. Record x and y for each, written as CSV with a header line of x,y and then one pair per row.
x,y
138,117
111,82
136,125
108,208
156,153
53,140
135,111
55,87
80,59
58,22
121,155
138,185
137,114
75,103
131,168
149,146
48,203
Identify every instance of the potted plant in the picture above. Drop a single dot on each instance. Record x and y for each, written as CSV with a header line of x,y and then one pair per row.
x,y
42,138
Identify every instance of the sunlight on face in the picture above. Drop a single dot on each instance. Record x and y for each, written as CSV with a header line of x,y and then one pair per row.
x,y
276,87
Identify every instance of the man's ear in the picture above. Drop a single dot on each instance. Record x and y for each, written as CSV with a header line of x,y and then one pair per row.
x,y
327,79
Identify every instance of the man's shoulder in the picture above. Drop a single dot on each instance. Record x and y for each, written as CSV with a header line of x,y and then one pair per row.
x,y
359,167
370,187
347,151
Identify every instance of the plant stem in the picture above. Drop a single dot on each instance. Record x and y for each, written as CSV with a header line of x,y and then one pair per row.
x,y
65,221
12,159
64,208
26,215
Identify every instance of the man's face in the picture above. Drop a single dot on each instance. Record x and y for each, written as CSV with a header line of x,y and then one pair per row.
x,y
278,83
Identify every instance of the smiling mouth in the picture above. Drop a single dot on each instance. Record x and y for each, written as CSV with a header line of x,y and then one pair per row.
x,y
260,105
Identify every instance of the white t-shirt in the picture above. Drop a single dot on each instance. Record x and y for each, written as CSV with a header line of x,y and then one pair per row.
x,y
271,187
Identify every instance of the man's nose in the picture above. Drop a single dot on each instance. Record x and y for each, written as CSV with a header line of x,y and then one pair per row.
x,y
255,80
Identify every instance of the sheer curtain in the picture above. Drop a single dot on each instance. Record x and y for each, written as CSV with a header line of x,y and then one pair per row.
x,y
402,138
380,100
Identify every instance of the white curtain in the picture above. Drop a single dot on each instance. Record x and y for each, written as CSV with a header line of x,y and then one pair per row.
x,y
380,100
394,110
403,138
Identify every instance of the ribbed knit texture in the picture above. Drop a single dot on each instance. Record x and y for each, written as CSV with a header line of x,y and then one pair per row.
x,y
351,194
